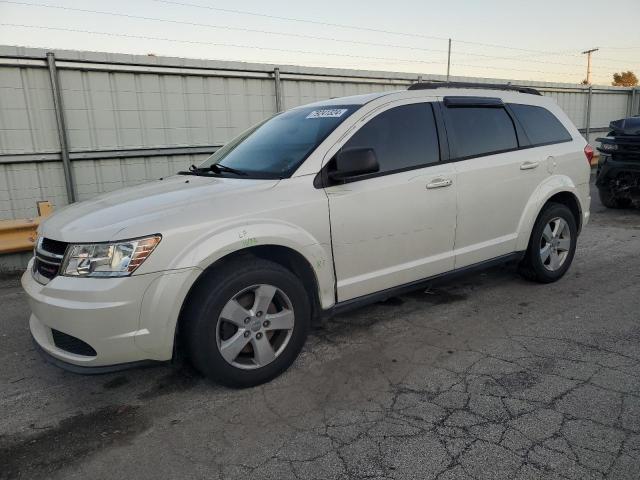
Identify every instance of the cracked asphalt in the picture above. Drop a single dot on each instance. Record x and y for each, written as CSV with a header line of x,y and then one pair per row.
x,y
487,377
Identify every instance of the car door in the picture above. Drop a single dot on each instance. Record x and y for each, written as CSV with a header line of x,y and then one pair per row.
x,y
395,226
495,176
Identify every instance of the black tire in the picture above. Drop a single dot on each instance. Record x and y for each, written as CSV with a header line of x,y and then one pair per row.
x,y
609,200
205,305
532,266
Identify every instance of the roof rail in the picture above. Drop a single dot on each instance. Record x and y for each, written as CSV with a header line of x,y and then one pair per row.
x,y
487,86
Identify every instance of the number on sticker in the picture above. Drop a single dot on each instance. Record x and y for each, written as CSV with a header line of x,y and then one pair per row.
x,y
327,113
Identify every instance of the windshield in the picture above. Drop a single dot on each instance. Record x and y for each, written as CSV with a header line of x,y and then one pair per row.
x,y
277,146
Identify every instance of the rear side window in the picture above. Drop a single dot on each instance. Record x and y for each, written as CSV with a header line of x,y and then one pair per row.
x,y
402,137
542,126
479,131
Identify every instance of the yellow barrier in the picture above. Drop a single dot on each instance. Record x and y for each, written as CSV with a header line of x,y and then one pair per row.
x,y
20,235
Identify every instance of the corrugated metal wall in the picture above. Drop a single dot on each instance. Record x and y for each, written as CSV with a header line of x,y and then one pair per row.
x,y
27,118
108,111
24,184
105,175
122,112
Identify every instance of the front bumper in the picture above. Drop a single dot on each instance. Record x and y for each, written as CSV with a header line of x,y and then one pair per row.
x,y
612,171
89,370
122,319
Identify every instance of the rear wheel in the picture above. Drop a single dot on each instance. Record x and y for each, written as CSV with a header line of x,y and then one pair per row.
x,y
609,200
247,323
552,245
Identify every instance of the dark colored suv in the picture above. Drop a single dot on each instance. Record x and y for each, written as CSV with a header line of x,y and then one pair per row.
x,y
618,179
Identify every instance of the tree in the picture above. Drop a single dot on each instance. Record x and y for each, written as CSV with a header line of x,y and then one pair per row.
x,y
584,82
625,79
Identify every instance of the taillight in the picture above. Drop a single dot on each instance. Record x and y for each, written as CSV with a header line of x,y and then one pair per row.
x,y
588,152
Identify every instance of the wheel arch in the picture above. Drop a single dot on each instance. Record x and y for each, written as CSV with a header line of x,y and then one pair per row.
x,y
287,257
571,201
558,189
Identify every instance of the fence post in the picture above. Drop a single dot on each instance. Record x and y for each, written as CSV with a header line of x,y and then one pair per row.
x,y
278,86
449,60
588,126
633,102
62,128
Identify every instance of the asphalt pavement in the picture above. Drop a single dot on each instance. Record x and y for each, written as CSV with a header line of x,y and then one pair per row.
x,y
485,377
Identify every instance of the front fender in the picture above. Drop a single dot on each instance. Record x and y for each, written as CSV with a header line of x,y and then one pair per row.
x,y
547,189
204,250
210,247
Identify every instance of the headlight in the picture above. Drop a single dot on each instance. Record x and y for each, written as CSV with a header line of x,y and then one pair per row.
x,y
108,259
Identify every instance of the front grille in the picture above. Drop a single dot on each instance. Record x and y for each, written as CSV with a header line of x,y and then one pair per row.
x,y
48,258
72,344
53,246
45,269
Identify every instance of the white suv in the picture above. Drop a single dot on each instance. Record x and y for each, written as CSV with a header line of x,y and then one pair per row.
x,y
318,209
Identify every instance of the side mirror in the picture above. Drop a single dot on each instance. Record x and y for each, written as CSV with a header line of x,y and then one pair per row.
x,y
354,162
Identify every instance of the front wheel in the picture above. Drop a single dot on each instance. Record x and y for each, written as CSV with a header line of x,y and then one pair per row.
x,y
247,323
552,245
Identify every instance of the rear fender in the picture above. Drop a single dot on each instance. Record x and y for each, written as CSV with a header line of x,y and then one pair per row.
x,y
547,189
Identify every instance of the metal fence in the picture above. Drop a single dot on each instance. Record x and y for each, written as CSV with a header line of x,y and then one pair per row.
x,y
76,124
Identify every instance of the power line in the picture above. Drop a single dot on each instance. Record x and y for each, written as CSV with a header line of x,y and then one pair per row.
x,y
604,66
387,59
300,20
621,48
540,53
356,27
258,47
488,67
516,59
221,27
244,12
232,45
225,27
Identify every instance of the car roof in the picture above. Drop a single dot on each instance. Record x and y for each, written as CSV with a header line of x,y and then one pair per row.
x,y
504,95
351,100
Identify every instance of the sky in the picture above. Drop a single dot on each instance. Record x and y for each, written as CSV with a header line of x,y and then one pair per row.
x,y
535,40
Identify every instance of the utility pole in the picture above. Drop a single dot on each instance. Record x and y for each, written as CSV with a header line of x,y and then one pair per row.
x,y
588,53
449,60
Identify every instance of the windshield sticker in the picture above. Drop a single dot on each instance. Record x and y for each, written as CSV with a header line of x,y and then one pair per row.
x,y
327,113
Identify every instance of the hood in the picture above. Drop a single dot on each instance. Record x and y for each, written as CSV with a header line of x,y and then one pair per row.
x,y
144,209
627,126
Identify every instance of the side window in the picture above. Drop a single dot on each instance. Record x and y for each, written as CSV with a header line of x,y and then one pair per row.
x,y
542,126
402,137
479,131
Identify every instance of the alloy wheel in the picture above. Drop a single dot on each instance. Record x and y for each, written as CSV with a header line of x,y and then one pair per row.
x,y
555,244
255,326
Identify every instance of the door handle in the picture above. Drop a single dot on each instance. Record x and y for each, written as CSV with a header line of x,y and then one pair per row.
x,y
439,183
529,165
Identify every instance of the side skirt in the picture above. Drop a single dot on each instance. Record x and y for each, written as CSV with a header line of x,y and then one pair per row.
x,y
354,303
